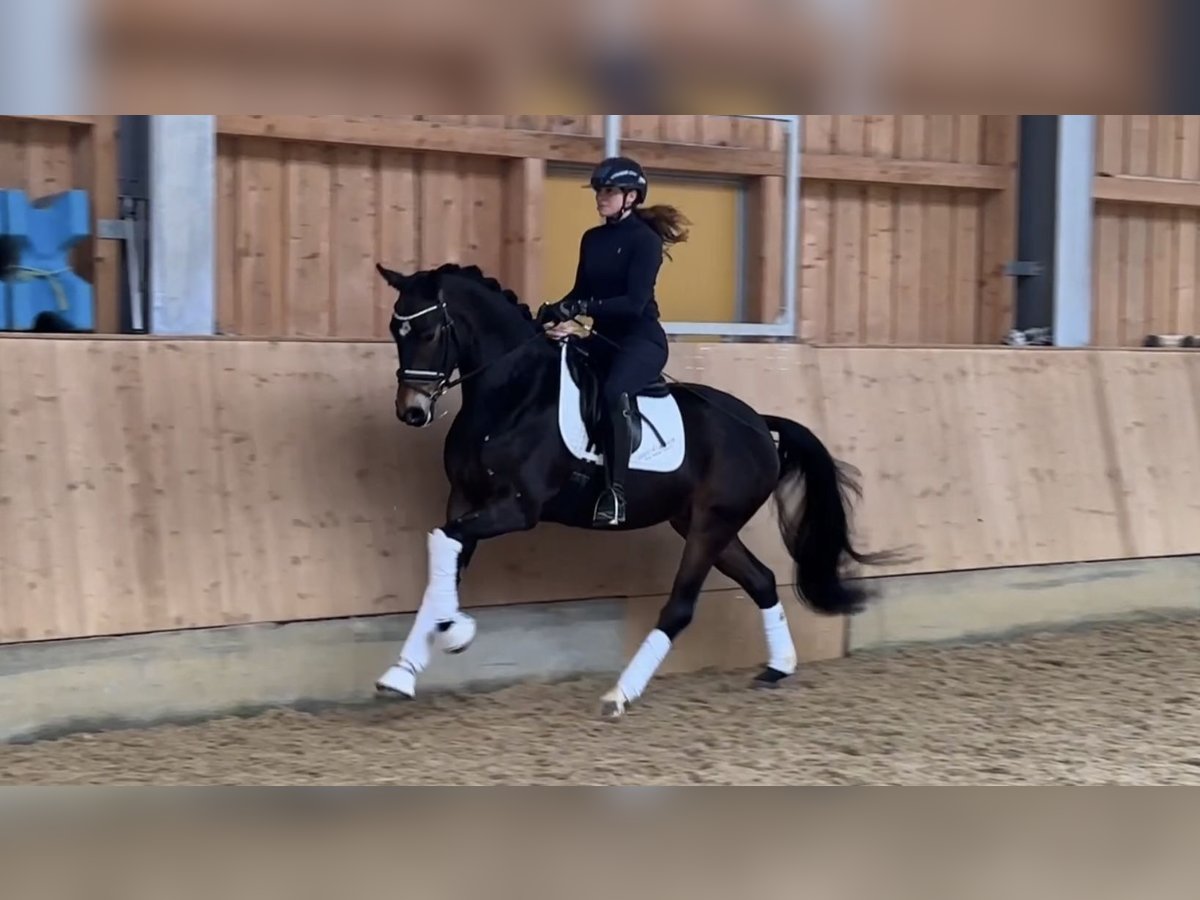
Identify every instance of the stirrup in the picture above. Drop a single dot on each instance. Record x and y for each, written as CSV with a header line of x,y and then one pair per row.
x,y
610,508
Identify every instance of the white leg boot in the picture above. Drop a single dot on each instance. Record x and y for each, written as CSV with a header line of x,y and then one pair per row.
x,y
781,652
637,674
439,605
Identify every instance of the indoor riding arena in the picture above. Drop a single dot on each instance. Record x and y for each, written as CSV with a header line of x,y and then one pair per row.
x,y
214,527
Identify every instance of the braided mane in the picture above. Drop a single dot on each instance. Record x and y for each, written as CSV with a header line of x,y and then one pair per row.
x,y
474,273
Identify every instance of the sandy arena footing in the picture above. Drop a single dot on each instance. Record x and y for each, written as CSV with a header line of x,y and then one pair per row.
x,y
1115,704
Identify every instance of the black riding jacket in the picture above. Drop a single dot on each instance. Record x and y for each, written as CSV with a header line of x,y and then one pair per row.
x,y
618,266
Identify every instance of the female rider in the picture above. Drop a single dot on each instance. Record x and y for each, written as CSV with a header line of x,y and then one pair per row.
x,y
614,286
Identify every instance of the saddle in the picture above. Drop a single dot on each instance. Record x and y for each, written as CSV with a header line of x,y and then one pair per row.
x,y
595,416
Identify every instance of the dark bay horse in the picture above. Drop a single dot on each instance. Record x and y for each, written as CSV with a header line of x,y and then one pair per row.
x,y
509,468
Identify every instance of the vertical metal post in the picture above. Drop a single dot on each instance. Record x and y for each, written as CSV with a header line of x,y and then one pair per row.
x,y
612,135
791,223
1033,267
183,220
1073,231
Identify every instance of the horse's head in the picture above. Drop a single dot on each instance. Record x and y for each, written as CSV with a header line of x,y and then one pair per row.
x,y
448,318
423,330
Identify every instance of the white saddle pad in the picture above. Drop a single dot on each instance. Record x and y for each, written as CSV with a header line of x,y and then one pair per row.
x,y
652,455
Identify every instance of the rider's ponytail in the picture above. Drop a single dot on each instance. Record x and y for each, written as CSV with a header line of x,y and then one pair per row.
x,y
668,223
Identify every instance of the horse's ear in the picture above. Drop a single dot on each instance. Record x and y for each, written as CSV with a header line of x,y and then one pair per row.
x,y
395,279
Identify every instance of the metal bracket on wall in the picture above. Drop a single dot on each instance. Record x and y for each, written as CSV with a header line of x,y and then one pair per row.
x,y
130,231
1024,269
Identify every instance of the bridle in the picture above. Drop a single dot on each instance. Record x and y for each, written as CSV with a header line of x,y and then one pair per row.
x,y
440,378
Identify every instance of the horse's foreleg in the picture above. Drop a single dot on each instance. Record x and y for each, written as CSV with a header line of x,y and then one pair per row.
x,y
439,617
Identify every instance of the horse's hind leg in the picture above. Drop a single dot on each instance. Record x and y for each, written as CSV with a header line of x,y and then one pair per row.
x,y
756,579
704,544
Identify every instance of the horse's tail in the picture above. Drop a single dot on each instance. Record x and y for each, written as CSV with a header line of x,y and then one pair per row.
x,y
814,520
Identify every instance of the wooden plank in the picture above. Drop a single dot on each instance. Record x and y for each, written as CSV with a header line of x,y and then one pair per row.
x,y
354,212
937,242
586,149
483,184
640,128
764,240
1163,227
1135,271
1110,157
399,228
849,207
1188,275
679,129
944,469
910,215
259,248
227,256
1154,434
308,282
1145,189
878,314
998,223
14,141
522,249
66,120
766,233
964,229
440,211
816,254
716,131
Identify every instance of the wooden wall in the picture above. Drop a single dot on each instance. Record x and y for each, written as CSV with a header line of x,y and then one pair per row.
x,y
1147,228
149,484
906,220
48,154
912,263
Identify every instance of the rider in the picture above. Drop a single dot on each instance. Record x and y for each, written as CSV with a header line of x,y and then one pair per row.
x,y
614,286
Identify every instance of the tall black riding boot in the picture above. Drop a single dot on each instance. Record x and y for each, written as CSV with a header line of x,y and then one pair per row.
x,y
610,508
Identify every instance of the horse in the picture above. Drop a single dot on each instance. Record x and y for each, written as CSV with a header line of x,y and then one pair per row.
x,y
509,468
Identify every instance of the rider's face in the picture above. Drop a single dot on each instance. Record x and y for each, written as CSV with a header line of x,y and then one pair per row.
x,y
610,201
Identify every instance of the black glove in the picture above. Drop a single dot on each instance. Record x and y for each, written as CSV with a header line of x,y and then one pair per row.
x,y
563,310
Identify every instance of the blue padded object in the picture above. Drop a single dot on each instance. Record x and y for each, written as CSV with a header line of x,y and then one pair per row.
x,y
44,233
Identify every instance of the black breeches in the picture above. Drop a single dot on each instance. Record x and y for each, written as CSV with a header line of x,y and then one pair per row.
x,y
632,366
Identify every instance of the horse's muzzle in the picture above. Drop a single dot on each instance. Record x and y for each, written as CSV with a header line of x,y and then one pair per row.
x,y
414,416
414,407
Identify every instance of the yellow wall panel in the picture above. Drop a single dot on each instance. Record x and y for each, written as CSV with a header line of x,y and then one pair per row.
x,y
698,284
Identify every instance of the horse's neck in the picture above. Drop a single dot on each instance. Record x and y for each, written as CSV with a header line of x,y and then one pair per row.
x,y
500,360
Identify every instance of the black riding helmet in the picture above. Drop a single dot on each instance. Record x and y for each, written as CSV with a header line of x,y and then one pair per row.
x,y
620,172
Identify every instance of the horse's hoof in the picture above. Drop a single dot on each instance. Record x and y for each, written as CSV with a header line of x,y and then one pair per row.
x,y
612,706
769,679
398,681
